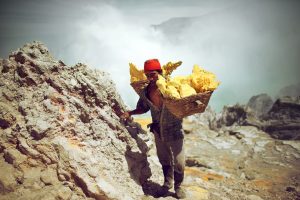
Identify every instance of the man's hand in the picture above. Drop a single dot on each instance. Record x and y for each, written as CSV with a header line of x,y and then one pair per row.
x,y
125,116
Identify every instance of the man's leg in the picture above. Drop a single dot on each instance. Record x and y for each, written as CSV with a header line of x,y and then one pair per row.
x,y
165,159
177,148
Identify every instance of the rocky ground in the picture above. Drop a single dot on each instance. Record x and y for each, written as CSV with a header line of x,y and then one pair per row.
x,y
247,151
238,162
242,162
61,138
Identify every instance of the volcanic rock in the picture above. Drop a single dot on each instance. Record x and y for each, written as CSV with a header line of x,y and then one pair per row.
x,y
60,132
260,104
283,119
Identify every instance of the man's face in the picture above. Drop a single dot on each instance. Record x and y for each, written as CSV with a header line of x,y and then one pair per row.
x,y
152,76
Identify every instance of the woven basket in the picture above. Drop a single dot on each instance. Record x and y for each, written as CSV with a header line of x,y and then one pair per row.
x,y
138,86
180,107
188,105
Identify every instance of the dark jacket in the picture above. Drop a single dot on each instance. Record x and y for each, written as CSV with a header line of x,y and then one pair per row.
x,y
164,122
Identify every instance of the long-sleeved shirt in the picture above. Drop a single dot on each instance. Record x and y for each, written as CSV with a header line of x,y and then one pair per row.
x,y
170,127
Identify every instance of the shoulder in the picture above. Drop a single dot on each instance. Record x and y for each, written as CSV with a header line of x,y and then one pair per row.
x,y
143,92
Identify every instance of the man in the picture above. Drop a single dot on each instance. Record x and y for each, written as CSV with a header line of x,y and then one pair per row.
x,y
167,130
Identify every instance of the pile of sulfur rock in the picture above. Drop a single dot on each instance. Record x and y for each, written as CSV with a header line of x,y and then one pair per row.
x,y
178,87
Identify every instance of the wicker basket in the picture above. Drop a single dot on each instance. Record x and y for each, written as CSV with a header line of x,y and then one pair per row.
x,y
188,105
180,107
138,86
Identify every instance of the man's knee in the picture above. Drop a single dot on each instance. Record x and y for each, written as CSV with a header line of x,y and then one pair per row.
x,y
164,161
179,162
179,168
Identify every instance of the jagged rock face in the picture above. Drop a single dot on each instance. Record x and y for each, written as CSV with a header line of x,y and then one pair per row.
x,y
60,132
260,104
282,121
232,115
285,107
204,120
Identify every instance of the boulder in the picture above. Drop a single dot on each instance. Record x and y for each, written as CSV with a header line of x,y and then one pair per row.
x,y
260,104
282,120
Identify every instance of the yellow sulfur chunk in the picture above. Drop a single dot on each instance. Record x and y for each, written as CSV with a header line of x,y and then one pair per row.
x,y
197,70
186,90
202,80
172,92
168,90
182,79
174,83
170,67
180,86
136,74
162,85
173,88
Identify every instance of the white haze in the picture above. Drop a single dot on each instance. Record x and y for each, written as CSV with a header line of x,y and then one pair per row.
x,y
252,46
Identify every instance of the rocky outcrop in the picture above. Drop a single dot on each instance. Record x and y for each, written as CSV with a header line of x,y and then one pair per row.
x,y
283,119
260,104
232,115
203,120
280,119
60,132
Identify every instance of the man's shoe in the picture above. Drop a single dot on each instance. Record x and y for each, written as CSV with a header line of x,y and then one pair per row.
x,y
162,191
180,193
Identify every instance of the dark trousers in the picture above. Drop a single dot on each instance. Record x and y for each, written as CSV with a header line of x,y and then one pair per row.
x,y
172,158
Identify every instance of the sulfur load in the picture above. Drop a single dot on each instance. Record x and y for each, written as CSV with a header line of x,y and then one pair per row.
x,y
202,80
183,86
179,86
139,75
136,74
168,68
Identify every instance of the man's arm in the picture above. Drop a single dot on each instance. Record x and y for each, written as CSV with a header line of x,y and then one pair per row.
x,y
136,111
141,108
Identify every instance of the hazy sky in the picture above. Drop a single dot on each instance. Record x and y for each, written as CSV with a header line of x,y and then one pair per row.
x,y
252,46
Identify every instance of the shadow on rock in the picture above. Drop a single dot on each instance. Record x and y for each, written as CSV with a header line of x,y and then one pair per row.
x,y
152,189
138,165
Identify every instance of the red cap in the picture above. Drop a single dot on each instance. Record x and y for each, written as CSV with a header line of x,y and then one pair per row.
x,y
152,64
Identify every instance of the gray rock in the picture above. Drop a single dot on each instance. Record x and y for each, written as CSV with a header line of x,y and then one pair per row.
x,y
205,119
280,119
7,118
49,176
283,119
61,135
260,104
8,182
232,115
38,128
13,156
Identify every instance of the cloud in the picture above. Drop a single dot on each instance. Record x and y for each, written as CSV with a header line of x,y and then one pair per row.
x,y
252,46
105,39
